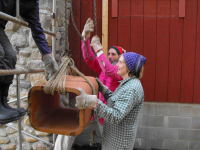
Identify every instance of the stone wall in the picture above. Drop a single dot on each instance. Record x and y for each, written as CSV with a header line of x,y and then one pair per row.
x,y
29,57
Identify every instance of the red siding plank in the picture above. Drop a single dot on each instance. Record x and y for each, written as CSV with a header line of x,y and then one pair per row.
x,y
113,32
114,8
150,8
162,56
137,35
182,8
124,32
176,43
188,56
197,62
163,8
137,26
149,48
124,24
99,17
137,8
86,11
174,8
162,53
112,27
124,8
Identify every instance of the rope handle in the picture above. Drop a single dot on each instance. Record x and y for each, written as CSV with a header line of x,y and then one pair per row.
x,y
57,82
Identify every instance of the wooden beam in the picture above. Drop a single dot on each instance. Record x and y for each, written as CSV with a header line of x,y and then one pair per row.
x,y
181,8
105,25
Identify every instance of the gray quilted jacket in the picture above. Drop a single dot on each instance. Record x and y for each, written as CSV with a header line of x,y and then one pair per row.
x,y
120,115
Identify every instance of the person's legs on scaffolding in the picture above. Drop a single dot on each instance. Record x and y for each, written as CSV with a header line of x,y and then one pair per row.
x,y
7,61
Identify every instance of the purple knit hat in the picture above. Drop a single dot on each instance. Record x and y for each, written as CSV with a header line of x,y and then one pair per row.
x,y
134,61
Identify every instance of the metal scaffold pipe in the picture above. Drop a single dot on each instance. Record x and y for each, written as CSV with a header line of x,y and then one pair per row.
x,y
35,137
19,71
17,8
54,27
21,22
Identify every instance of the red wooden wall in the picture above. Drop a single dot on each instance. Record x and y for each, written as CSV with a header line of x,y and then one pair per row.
x,y
155,29
83,9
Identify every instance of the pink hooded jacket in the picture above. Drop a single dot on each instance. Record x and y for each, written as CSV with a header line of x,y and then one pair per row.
x,y
106,71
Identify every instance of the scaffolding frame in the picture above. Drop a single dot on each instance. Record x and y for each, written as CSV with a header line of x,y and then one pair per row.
x,y
27,71
18,99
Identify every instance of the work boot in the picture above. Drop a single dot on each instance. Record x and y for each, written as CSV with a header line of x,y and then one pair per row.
x,y
4,96
7,115
21,111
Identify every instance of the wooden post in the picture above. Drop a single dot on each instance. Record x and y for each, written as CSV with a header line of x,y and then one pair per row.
x,y
105,25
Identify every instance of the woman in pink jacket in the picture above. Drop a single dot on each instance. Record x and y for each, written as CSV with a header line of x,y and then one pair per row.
x,y
95,58
106,69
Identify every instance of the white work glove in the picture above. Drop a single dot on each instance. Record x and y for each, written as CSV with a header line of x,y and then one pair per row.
x,y
86,101
51,67
88,28
96,44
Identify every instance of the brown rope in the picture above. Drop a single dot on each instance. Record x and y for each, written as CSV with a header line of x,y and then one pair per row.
x,y
74,23
57,81
83,76
76,28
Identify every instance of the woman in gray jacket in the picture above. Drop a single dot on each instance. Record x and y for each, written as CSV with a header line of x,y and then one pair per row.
x,y
123,105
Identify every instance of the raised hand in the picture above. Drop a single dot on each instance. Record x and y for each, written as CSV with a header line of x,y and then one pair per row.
x,y
96,44
88,28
